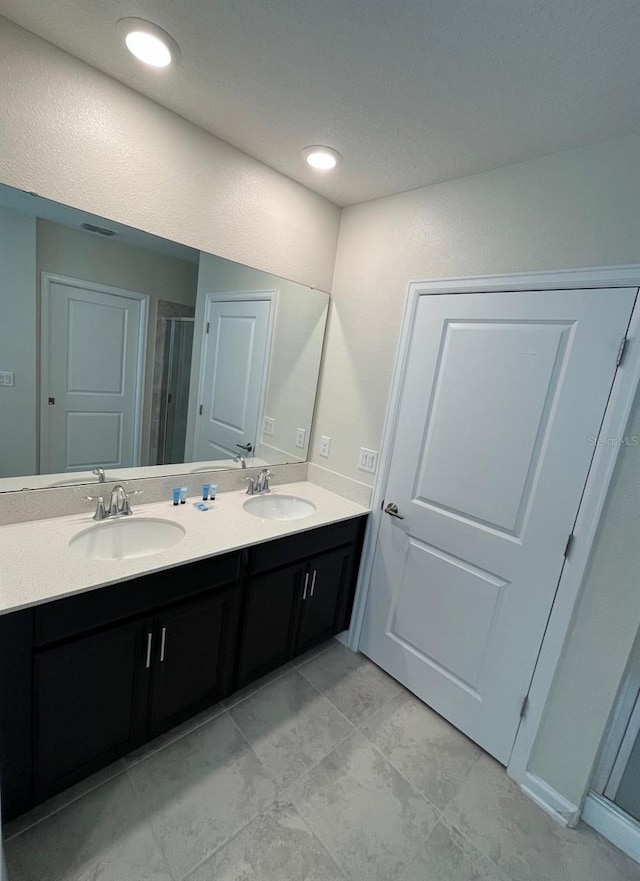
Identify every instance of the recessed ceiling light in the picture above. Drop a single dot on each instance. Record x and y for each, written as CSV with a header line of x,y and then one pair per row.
x,y
148,42
321,158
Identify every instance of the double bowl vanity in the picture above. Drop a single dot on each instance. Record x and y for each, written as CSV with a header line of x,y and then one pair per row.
x,y
112,633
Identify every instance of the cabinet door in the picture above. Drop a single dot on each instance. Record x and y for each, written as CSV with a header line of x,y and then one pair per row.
x,y
191,657
327,592
272,604
90,703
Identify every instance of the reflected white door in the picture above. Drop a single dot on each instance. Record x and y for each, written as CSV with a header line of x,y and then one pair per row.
x,y
92,365
503,397
233,377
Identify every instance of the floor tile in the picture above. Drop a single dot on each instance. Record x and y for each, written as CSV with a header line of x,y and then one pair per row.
x,y
200,790
371,820
290,727
277,846
430,753
525,843
448,856
312,653
253,687
101,837
64,798
355,685
163,740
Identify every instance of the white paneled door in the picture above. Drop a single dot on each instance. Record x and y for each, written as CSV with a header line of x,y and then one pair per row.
x,y
233,377
502,401
92,366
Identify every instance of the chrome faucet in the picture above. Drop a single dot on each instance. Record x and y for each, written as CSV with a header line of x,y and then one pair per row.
x,y
99,471
241,460
259,484
262,481
119,503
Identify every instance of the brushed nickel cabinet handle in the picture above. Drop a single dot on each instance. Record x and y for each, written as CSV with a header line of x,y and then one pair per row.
x,y
313,582
306,584
149,641
163,643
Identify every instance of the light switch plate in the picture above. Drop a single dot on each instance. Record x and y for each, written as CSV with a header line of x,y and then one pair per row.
x,y
268,426
7,378
301,435
325,446
368,460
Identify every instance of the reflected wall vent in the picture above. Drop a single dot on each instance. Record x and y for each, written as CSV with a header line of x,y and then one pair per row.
x,y
100,230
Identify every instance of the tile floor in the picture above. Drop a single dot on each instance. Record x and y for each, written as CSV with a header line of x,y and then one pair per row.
x,y
326,770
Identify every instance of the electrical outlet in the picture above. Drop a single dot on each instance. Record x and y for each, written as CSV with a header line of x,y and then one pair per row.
x,y
325,446
268,426
6,378
368,460
301,435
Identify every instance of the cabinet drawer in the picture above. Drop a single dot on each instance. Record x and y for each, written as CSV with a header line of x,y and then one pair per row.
x,y
96,608
303,545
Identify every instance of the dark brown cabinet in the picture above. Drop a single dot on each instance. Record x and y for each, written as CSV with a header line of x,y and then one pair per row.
x,y
191,647
90,704
86,679
270,612
325,592
290,609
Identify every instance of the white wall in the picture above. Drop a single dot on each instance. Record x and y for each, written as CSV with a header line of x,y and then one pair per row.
x,y
296,350
18,342
579,208
72,134
572,209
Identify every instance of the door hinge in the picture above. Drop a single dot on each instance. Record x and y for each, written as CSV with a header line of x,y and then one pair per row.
x,y
524,707
207,330
569,545
200,410
621,351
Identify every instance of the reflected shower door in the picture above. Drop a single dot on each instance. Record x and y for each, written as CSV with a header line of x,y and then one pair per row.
x,y
175,390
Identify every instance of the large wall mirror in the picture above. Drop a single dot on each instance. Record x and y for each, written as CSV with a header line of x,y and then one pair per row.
x,y
123,351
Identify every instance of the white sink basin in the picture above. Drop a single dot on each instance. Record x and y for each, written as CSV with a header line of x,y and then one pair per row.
x,y
126,539
277,507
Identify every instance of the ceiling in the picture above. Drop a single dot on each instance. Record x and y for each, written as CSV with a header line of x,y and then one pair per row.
x,y
411,92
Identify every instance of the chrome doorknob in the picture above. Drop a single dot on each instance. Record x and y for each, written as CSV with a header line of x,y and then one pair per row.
x,y
392,510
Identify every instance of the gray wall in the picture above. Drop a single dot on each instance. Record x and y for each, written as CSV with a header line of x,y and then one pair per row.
x,y
295,351
70,252
18,342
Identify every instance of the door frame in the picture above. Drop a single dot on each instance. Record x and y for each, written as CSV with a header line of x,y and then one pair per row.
x,y
46,280
270,296
616,415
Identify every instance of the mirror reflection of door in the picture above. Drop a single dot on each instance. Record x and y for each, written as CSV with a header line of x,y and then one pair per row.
x,y
235,358
92,375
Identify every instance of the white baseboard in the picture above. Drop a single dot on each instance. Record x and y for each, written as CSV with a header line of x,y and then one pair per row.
x,y
619,828
554,804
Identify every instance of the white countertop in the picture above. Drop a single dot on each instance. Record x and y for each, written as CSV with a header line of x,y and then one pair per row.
x,y
37,566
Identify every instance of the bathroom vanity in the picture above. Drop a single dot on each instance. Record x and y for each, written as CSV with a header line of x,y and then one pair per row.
x,y
91,669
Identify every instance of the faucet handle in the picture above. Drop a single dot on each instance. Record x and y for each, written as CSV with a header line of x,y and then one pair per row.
x,y
251,486
100,513
126,503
